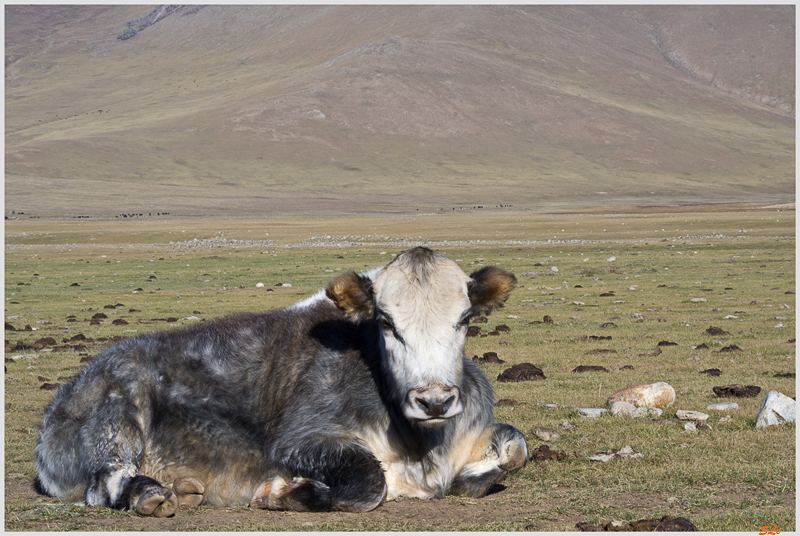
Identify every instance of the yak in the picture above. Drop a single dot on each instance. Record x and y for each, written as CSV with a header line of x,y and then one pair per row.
x,y
357,395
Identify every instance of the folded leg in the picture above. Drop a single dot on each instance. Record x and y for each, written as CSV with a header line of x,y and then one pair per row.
x,y
327,476
499,451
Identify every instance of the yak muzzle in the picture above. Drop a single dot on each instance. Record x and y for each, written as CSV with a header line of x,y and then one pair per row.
x,y
432,406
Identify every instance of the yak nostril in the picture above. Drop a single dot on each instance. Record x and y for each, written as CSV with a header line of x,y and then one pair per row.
x,y
432,405
447,403
435,409
424,403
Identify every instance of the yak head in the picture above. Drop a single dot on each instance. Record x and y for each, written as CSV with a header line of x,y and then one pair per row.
x,y
422,302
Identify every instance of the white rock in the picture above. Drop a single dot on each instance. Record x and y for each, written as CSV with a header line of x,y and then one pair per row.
x,y
722,406
625,452
628,452
550,405
698,300
611,259
622,408
591,413
690,427
23,356
777,408
691,415
286,285
602,458
259,285
652,395
554,269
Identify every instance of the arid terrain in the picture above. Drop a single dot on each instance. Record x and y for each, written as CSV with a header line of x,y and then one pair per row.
x,y
636,294
232,110
634,166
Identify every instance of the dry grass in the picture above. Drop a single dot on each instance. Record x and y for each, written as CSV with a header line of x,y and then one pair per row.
x,y
732,477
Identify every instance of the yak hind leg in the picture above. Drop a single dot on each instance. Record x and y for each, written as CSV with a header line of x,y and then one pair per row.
x,y
500,450
348,479
115,479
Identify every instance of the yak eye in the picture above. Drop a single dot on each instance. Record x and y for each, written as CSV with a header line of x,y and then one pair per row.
x,y
388,326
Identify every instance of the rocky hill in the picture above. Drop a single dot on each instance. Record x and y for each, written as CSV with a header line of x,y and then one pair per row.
x,y
266,109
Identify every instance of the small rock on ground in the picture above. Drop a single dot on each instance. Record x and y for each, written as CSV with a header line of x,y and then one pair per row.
x,y
777,408
545,434
622,408
691,415
591,413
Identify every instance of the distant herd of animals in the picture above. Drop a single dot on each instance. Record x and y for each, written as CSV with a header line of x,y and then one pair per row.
x,y
150,214
14,213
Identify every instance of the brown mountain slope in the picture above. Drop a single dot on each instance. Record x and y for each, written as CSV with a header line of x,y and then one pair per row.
x,y
268,108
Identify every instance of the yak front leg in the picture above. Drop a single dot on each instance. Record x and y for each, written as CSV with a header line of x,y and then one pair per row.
x,y
329,475
499,451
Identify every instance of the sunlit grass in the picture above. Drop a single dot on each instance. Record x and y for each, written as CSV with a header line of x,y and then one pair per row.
x,y
733,477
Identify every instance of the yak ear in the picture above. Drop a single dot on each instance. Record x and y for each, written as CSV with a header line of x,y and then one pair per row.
x,y
352,293
489,288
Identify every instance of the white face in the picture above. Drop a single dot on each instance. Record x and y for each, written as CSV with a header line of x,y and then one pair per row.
x,y
424,309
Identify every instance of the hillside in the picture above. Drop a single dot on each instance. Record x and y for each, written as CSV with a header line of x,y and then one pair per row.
x,y
268,109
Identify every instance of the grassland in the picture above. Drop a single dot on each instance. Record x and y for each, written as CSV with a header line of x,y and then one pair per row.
x,y
159,273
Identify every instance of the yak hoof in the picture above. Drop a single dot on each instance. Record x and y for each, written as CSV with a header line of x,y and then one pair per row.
x,y
189,490
261,496
157,502
514,455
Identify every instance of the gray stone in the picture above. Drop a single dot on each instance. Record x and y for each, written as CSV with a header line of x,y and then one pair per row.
x,y
550,405
777,408
691,415
628,452
722,406
625,452
622,408
690,427
591,413
21,356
